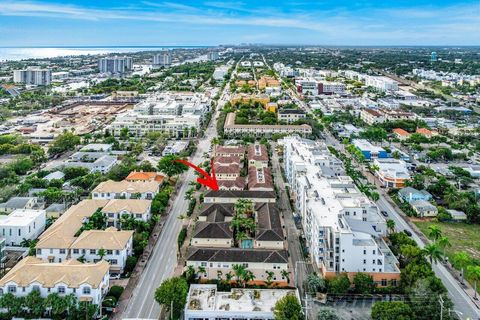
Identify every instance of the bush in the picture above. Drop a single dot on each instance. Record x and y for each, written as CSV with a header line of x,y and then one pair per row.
x,y
109,302
130,263
115,291
181,237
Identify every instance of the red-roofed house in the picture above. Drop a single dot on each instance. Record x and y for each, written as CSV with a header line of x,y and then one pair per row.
x,y
144,176
425,132
401,134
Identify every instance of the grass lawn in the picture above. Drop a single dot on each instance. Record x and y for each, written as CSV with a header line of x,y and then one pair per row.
x,y
462,236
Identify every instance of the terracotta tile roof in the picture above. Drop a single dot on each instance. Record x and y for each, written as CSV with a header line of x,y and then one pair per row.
x,y
136,206
227,160
238,183
141,175
109,239
127,186
72,273
259,178
401,132
257,152
231,168
424,131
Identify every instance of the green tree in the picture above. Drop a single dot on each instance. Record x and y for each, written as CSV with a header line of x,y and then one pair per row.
x,y
473,273
363,283
391,225
288,308
173,292
391,310
102,253
35,304
170,167
314,284
65,142
434,232
339,285
433,252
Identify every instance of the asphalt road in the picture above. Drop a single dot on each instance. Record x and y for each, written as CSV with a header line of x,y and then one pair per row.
x,y
163,260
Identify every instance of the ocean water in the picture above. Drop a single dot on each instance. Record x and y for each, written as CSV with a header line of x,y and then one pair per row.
x,y
20,53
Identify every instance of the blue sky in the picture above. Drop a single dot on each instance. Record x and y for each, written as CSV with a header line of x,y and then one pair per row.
x,y
213,22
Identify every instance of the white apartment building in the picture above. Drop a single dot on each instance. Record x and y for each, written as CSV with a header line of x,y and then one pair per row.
x,y
115,64
117,208
163,59
33,76
126,190
168,112
343,228
87,282
62,241
205,302
22,224
381,83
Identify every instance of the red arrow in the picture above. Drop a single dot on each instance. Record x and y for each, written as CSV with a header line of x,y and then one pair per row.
x,y
207,181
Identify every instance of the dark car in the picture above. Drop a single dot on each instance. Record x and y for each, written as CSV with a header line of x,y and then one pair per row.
x,y
384,213
407,232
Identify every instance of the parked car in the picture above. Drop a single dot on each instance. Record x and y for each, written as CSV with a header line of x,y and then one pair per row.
x,y
407,232
114,276
384,213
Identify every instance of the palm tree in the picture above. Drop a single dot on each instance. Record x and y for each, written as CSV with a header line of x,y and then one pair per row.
x,y
240,236
240,272
228,276
286,275
270,275
474,273
249,276
190,272
374,196
433,252
391,225
443,243
201,270
102,253
461,260
434,232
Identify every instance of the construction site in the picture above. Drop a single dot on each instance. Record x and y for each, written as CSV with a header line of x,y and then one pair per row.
x,y
79,117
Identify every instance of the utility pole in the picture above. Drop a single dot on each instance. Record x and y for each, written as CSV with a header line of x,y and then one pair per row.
x,y
440,299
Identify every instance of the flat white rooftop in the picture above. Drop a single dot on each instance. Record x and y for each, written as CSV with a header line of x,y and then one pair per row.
x,y
20,217
206,298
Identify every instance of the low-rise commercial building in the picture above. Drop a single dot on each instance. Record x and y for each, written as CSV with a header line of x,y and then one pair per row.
x,y
392,173
205,302
370,151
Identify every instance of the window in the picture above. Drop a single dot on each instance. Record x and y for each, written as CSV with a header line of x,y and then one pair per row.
x,y
75,251
114,261
374,252
62,251
39,251
203,264
109,251
117,252
35,288
364,251
86,290
373,261
364,261
93,251
61,289
12,289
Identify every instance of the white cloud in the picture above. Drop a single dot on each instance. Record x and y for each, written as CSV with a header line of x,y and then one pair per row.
x,y
391,25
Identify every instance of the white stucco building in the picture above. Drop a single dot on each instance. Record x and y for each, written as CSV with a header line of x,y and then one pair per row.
x,y
22,224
